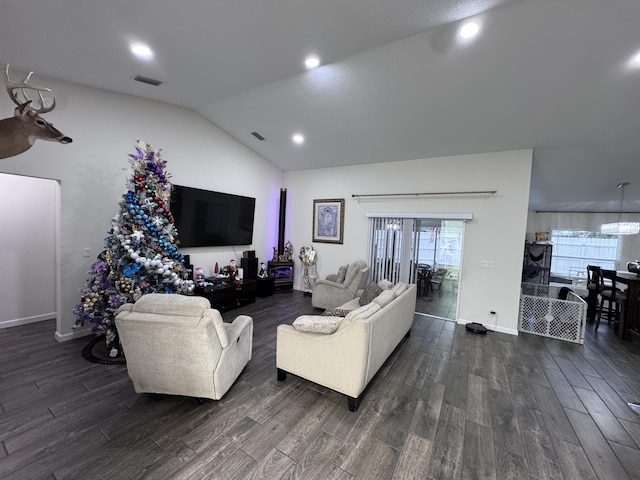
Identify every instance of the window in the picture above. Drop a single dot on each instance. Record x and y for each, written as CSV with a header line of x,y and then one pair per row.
x,y
573,250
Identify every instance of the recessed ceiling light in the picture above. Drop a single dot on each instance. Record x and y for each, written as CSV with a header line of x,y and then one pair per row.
x,y
635,60
312,62
469,30
298,139
142,51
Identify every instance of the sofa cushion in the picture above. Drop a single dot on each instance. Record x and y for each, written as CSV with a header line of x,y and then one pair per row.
x,y
385,298
352,273
371,291
363,312
317,324
399,288
172,304
342,273
351,304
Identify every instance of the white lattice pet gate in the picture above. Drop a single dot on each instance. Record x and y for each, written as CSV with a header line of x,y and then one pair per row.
x,y
543,313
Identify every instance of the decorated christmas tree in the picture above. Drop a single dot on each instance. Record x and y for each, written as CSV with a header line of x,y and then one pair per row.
x,y
140,253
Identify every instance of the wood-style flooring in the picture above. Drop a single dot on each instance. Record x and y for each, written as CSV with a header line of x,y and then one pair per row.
x,y
448,404
438,304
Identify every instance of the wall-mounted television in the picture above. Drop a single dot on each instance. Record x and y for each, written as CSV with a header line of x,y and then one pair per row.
x,y
205,218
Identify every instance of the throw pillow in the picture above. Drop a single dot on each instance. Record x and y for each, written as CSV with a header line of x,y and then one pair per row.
x,y
342,273
370,292
317,324
385,284
335,312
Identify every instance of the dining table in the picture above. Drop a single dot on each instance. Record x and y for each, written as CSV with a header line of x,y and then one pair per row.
x,y
630,325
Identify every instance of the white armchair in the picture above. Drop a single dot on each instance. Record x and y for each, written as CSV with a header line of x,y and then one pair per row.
x,y
333,291
178,345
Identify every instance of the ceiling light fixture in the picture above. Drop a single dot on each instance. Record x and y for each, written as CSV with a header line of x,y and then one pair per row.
x,y
469,30
635,60
621,228
142,51
298,139
312,62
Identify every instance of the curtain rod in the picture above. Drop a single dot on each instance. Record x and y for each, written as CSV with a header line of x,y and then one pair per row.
x,y
478,192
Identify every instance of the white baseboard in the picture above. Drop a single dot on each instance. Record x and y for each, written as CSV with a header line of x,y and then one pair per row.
x,y
509,331
433,316
497,328
27,320
65,337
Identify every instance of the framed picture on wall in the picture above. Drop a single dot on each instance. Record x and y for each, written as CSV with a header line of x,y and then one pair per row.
x,y
328,220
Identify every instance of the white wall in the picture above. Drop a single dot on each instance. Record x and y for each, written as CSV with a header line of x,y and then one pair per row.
x,y
27,249
92,172
496,233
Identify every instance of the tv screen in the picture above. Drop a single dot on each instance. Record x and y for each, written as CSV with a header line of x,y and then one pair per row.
x,y
209,219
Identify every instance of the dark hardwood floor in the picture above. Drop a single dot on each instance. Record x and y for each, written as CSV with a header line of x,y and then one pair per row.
x,y
439,304
448,404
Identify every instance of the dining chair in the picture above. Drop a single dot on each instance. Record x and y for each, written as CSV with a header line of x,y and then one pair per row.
x,y
615,298
594,273
424,273
437,279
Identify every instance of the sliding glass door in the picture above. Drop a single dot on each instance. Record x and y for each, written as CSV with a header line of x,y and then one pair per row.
x,y
423,251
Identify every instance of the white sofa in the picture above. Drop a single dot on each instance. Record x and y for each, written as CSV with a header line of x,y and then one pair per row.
x,y
347,360
179,345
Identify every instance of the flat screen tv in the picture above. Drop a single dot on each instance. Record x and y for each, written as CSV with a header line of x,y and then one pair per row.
x,y
210,219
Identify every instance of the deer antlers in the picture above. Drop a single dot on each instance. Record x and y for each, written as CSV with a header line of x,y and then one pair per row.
x,y
14,87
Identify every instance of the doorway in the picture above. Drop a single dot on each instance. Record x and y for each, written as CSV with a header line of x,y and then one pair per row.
x,y
30,245
424,251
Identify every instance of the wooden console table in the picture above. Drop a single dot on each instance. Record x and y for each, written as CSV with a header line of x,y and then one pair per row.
x,y
227,296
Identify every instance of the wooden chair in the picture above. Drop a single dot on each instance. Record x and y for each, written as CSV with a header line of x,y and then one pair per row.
x,y
424,273
594,273
437,279
614,297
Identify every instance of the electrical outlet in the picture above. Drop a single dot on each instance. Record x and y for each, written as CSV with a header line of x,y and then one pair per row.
x,y
486,264
86,251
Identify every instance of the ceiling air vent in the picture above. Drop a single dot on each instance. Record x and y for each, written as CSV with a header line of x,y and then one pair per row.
x,y
257,135
149,81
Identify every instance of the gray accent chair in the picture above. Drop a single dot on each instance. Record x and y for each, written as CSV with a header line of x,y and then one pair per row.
x,y
179,345
330,292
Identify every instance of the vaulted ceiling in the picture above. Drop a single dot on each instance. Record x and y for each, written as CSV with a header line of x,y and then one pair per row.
x,y
395,81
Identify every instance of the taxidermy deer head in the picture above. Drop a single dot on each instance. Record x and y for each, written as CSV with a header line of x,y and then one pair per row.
x,y
19,132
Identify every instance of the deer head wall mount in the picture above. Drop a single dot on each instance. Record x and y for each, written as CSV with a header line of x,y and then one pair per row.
x,y
18,133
